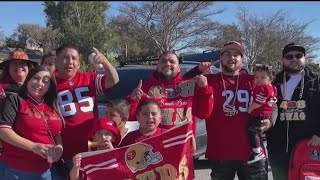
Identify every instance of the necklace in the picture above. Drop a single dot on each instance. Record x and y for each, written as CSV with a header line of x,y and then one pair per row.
x,y
284,103
230,109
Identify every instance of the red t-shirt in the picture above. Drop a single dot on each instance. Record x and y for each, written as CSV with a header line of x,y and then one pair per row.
x,y
227,135
136,136
266,96
77,101
21,116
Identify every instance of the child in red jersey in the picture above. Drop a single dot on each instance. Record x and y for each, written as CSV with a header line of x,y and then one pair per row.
x,y
104,135
264,99
149,116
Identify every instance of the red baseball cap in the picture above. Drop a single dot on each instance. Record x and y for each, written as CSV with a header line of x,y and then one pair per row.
x,y
232,45
108,124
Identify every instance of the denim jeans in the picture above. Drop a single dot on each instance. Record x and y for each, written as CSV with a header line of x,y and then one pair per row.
x,y
279,164
226,170
8,173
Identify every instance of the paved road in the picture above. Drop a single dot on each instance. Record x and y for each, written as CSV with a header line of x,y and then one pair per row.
x,y
202,171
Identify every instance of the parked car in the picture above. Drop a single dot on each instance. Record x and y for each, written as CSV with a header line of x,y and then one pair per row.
x,y
129,76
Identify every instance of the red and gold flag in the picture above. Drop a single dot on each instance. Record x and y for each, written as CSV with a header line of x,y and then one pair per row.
x,y
167,156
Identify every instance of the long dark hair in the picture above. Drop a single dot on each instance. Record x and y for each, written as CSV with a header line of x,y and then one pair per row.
x,y
50,97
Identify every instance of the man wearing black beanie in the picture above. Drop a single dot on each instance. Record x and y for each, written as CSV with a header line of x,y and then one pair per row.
x,y
298,101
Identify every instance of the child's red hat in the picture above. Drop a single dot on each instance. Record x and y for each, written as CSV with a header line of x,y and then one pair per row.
x,y
108,124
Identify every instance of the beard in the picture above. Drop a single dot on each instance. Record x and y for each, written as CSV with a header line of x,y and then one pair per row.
x,y
166,77
296,69
230,69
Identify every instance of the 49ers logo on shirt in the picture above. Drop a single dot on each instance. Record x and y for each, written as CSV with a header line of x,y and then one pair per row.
x,y
294,112
184,89
71,102
139,156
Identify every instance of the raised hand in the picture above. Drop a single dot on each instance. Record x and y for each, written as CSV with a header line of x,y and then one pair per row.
x,y
99,58
206,66
137,93
201,80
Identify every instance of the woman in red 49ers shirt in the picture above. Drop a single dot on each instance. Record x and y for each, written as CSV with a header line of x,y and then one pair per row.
x,y
30,126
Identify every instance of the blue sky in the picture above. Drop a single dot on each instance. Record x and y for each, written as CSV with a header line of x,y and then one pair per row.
x,y
13,13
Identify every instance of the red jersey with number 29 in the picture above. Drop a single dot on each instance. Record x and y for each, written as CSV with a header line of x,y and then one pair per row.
x,y
227,135
77,102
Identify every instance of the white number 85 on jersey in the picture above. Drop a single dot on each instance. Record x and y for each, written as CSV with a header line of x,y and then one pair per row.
x,y
67,105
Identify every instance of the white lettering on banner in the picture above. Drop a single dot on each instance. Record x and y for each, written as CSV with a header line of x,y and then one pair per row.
x,y
242,97
67,105
179,102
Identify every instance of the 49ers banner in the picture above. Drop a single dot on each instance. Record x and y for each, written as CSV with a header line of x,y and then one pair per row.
x,y
167,156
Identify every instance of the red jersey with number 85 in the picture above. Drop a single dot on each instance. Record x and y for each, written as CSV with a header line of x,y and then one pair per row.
x,y
77,102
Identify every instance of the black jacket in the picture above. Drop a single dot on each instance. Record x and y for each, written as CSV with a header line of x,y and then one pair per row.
x,y
298,124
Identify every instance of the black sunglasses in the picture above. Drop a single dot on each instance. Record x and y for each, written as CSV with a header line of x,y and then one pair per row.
x,y
290,56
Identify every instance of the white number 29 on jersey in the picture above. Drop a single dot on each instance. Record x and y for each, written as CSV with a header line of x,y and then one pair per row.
x,y
242,96
67,102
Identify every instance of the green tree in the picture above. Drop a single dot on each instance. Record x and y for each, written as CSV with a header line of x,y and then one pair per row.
x,y
80,23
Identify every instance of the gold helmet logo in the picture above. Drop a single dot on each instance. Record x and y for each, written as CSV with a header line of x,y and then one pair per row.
x,y
139,156
156,92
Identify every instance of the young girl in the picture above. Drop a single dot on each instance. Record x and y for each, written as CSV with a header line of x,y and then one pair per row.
x,y
104,135
149,116
264,99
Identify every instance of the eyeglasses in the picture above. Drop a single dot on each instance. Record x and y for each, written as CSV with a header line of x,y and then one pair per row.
x,y
290,56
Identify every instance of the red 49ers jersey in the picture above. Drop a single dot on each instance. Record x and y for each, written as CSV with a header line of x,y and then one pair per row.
x,y
227,135
174,97
77,102
266,96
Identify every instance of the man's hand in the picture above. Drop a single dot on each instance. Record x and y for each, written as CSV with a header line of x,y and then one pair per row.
x,y
314,141
206,66
137,93
99,58
264,126
201,81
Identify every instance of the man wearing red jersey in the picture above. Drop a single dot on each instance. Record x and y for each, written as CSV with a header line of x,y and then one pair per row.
x,y
77,93
228,146
169,89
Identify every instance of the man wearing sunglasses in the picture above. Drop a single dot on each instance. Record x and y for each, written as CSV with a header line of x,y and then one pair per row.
x,y
299,114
